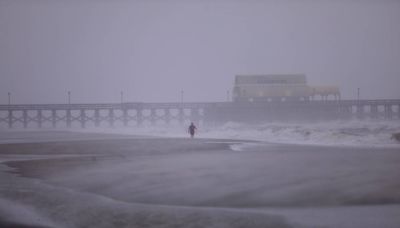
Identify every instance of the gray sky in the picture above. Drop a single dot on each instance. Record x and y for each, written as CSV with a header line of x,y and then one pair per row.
x,y
152,49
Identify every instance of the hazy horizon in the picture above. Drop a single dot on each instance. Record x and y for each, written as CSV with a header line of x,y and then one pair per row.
x,y
152,50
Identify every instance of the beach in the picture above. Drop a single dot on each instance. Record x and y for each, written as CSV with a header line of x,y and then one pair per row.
x,y
67,179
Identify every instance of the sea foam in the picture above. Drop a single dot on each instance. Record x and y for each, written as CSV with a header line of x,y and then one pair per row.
x,y
369,133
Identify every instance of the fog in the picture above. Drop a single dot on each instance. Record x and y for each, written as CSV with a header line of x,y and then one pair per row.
x,y
153,50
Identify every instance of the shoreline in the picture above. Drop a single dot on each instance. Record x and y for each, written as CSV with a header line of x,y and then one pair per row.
x,y
50,135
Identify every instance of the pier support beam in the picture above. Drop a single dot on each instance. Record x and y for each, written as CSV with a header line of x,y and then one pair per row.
x,y
96,117
125,117
398,112
360,111
68,116
40,118
82,118
10,118
53,118
181,115
139,117
167,114
111,117
388,112
25,118
153,116
374,112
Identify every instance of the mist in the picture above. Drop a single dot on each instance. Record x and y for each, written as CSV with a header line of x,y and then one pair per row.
x,y
153,50
286,151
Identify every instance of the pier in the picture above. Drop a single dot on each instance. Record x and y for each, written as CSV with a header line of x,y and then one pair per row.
x,y
137,114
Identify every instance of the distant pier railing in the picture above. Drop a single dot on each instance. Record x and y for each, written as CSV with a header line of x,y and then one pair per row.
x,y
136,114
67,115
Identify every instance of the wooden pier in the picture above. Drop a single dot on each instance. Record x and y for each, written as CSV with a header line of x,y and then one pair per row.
x,y
136,114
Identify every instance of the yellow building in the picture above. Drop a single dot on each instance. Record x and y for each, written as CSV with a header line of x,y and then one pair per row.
x,y
280,87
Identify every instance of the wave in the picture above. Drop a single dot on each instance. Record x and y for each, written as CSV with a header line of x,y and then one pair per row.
x,y
338,133
370,133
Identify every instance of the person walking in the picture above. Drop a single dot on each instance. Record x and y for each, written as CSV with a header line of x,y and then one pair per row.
x,y
192,129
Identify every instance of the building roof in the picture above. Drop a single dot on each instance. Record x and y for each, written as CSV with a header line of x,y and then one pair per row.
x,y
271,79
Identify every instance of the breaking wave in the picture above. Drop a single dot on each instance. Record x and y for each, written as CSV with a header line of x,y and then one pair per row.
x,y
371,133
346,133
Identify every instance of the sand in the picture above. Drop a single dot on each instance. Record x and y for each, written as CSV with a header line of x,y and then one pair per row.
x,y
98,180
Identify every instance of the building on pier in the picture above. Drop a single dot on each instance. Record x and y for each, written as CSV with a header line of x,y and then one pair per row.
x,y
280,87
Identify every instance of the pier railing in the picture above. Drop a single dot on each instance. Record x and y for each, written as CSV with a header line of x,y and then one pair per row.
x,y
135,114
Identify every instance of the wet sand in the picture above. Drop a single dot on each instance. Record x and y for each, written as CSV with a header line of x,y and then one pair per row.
x,y
170,182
